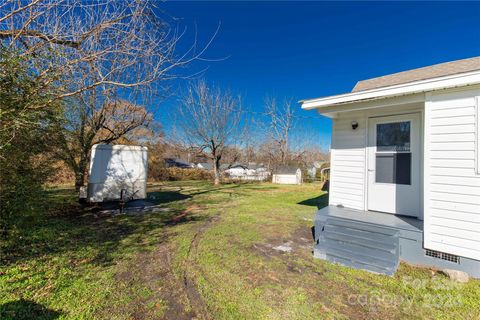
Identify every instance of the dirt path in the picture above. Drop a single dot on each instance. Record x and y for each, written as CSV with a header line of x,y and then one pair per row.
x,y
153,273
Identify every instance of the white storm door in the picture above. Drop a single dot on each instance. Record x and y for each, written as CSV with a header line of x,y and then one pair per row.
x,y
394,164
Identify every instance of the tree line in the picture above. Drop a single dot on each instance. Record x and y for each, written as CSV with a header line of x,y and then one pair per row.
x,y
213,124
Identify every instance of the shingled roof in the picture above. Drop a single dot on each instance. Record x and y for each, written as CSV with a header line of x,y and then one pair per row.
x,y
286,170
437,70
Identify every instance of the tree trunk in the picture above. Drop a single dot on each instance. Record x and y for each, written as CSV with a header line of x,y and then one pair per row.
x,y
216,171
79,178
81,172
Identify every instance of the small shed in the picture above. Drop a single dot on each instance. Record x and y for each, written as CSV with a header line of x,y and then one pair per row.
x,y
287,175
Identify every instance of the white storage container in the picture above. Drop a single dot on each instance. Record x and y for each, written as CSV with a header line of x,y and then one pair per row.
x,y
114,168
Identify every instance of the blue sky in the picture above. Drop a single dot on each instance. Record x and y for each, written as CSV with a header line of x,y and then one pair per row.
x,y
310,49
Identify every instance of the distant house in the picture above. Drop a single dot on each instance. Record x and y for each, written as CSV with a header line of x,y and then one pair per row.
x,y
312,171
287,175
319,163
262,171
224,166
204,166
236,170
177,163
250,171
314,167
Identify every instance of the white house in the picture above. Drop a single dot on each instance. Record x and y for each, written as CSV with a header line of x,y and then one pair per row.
x,y
246,172
311,171
314,167
204,166
287,175
405,171
235,170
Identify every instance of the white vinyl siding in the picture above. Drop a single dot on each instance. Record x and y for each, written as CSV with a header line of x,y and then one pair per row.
x,y
347,176
477,123
452,182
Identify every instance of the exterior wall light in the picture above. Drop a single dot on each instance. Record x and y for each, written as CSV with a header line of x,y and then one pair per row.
x,y
354,125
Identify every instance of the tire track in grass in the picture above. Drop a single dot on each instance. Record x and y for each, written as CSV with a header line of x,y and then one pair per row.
x,y
167,295
194,297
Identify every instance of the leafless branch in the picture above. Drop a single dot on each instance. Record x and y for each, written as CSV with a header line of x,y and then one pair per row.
x,y
281,122
113,45
210,120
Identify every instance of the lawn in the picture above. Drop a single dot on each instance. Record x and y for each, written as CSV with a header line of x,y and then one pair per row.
x,y
211,253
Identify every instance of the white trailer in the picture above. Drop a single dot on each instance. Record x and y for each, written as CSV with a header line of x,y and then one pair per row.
x,y
117,172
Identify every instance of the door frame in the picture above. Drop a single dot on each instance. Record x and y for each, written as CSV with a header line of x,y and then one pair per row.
x,y
378,114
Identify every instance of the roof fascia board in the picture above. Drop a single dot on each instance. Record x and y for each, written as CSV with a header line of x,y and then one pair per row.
x,y
372,104
397,90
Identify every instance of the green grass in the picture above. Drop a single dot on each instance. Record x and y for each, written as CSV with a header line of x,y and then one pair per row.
x,y
67,263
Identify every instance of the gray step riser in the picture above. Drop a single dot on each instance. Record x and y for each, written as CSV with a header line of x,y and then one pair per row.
x,y
357,253
356,225
357,245
359,249
371,240
348,263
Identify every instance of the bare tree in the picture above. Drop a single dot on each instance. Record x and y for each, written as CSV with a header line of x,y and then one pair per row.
x,y
97,55
122,48
249,139
281,122
210,120
86,125
120,43
305,148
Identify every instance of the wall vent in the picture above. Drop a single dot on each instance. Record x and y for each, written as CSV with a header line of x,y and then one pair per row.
x,y
442,255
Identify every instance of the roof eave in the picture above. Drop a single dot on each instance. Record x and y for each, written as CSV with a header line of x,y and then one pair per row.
x,y
457,80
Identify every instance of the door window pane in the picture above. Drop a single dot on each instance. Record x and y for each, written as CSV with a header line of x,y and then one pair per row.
x,y
393,168
385,172
394,136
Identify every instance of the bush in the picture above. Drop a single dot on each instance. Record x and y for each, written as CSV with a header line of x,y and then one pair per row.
x,y
178,174
25,138
61,174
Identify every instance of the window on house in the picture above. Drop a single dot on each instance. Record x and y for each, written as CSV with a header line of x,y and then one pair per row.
x,y
393,157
